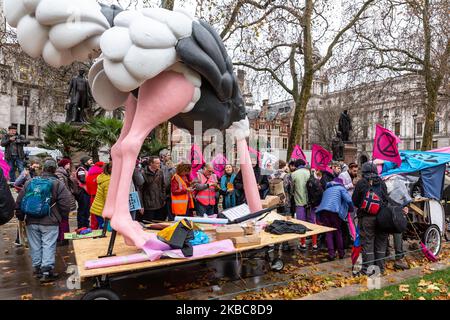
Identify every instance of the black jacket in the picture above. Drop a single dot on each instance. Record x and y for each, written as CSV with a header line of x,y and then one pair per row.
x,y
19,142
363,186
61,197
153,189
6,201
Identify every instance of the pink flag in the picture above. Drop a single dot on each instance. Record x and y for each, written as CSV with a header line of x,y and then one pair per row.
x,y
298,154
255,153
320,158
4,165
197,160
385,146
219,162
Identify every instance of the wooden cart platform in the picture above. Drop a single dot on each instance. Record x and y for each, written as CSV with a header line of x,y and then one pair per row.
x,y
91,249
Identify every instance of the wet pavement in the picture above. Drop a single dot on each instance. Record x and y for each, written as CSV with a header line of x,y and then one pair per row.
x,y
215,278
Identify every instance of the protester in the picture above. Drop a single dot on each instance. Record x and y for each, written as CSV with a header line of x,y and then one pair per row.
x,y
373,241
285,179
205,186
292,168
315,188
181,192
82,196
91,187
63,174
300,178
14,151
154,191
335,204
33,170
43,231
261,179
239,187
349,177
168,169
227,188
103,181
7,203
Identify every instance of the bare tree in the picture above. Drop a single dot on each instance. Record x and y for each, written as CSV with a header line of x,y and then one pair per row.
x,y
408,37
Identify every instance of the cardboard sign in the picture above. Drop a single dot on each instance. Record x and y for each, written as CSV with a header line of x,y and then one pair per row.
x,y
135,202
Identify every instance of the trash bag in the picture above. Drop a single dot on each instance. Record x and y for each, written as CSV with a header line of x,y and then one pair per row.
x,y
398,190
7,203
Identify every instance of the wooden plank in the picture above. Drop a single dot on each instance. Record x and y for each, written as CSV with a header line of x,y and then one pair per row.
x,y
417,209
91,249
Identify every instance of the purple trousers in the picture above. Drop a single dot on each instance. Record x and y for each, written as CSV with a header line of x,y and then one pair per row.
x,y
63,228
300,214
332,220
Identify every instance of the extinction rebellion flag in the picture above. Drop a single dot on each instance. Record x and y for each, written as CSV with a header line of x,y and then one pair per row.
x,y
298,153
320,158
197,160
385,146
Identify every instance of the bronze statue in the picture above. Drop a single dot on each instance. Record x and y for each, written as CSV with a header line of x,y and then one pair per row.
x,y
345,126
80,96
337,146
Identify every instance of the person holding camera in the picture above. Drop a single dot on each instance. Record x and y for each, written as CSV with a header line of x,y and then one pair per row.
x,y
14,151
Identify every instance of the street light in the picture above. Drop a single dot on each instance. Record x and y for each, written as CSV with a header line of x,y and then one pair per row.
x,y
386,116
414,117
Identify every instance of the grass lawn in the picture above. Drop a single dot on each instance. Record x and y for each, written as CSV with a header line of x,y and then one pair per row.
x,y
433,286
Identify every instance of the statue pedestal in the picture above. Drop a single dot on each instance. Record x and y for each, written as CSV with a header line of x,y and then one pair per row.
x,y
350,153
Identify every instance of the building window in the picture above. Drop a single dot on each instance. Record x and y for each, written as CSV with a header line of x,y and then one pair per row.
x,y
39,128
435,144
321,88
365,132
22,129
436,127
24,71
23,97
285,143
419,128
31,131
261,126
397,128
417,145
397,112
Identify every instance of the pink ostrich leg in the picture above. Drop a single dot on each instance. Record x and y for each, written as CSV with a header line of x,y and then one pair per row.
x,y
248,176
160,99
116,155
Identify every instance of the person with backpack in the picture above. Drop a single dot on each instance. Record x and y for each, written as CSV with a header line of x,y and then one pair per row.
x,y
315,186
369,196
228,189
82,196
333,208
63,174
42,203
280,185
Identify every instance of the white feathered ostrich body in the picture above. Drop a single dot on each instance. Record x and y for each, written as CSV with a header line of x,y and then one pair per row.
x,y
162,65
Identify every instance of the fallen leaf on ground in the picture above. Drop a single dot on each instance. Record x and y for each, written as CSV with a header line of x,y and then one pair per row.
x,y
433,287
423,283
387,294
421,298
403,288
26,296
4,261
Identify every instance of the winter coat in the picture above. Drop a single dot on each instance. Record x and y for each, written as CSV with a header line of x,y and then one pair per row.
x,y
103,181
168,173
7,203
229,198
315,188
153,190
336,199
61,197
64,177
348,181
9,145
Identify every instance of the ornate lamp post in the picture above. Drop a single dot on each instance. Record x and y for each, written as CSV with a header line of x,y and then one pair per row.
x,y
414,117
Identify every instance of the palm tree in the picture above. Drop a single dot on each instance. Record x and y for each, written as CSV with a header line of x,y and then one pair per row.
x,y
61,136
99,132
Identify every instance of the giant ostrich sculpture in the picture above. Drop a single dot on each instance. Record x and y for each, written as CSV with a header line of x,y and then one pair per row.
x,y
162,65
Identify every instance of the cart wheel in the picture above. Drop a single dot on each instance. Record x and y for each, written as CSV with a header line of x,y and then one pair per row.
x,y
277,264
101,294
432,239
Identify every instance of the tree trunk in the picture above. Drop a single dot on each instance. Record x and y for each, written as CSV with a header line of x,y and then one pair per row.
x,y
430,116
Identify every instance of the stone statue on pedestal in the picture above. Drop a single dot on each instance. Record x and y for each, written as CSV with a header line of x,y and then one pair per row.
x,y
345,126
337,146
79,96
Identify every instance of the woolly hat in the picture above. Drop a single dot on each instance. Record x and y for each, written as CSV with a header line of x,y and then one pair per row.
x,y
85,159
64,162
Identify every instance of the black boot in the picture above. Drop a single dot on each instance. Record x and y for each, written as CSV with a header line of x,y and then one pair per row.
x,y
48,276
37,273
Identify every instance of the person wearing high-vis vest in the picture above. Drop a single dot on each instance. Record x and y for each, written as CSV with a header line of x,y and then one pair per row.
x,y
206,186
180,191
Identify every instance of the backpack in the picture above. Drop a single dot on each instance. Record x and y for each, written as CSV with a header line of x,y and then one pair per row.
x,y
276,188
315,191
37,200
372,201
391,219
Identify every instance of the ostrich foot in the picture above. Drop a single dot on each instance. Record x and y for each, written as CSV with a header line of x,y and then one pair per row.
x,y
132,235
